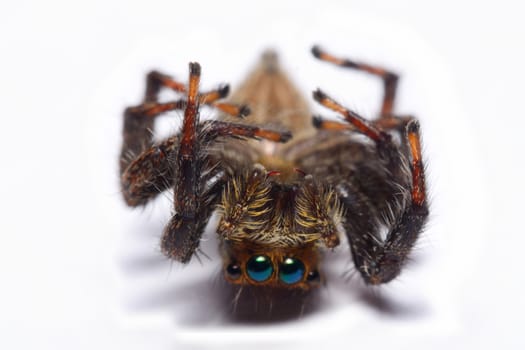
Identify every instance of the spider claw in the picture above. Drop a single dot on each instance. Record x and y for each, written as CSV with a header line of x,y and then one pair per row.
x,y
316,51
285,136
244,111
319,95
223,90
195,69
317,121
413,126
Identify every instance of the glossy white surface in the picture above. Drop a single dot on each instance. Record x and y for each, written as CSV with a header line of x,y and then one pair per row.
x,y
82,270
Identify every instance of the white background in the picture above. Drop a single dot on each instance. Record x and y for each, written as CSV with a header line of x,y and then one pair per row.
x,y
80,270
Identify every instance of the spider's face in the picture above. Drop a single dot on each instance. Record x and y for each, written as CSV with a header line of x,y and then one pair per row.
x,y
271,232
249,264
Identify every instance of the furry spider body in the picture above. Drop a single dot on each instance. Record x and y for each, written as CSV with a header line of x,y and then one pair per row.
x,y
280,199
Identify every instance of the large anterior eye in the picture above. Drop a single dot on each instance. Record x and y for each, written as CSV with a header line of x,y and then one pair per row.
x,y
291,270
259,268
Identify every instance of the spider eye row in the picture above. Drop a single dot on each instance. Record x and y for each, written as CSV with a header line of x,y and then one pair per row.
x,y
260,268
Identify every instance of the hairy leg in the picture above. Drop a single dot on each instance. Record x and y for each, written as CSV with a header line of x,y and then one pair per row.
x,y
389,78
139,120
146,168
379,261
195,199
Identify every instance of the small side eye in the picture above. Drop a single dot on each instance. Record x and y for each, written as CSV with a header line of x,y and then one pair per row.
x,y
259,268
313,276
233,271
291,270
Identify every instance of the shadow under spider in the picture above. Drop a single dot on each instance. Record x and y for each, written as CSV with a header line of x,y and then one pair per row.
x,y
378,298
249,304
210,299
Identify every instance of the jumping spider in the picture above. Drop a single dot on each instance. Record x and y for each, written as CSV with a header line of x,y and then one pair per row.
x,y
280,200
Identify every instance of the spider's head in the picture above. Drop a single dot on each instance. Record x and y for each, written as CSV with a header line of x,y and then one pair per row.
x,y
252,264
272,231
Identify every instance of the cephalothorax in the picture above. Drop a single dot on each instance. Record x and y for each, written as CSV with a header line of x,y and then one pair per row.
x,y
280,199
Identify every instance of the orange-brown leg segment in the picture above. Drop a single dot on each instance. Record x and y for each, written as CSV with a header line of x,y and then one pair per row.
x,y
155,81
216,128
359,123
211,97
153,109
416,165
390,79
327,124
186,178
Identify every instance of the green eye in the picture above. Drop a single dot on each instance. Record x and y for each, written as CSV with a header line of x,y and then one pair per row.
x,y
291,270
259,268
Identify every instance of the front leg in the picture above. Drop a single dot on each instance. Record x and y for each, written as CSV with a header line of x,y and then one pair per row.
x,y
181,236
381,261
196,195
